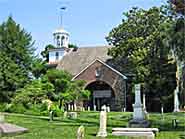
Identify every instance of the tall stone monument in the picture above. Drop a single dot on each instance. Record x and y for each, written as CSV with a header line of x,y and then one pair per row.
x,y
176,100
103,123
138,115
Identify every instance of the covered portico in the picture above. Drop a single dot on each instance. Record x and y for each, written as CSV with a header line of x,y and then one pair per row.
x,y
107,86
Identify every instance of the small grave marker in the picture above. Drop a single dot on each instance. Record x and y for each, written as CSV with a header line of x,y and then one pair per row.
x,y
81,132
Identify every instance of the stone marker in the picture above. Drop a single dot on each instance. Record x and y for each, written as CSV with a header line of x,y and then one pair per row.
x,y
72,115
51,116
69,107
103,108
176,100
2,118
136,135
83,109
81,132
65,114
108,109
88,108
94,107
103,124
9,129
138,115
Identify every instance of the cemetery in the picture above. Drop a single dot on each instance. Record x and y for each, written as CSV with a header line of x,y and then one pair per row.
x,y
40,127
129,85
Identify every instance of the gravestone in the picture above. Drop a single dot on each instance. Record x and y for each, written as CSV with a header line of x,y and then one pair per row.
x,y
9,129
103,124
69,107
2,118
88,108
94,107
81,132
65,114
51,116
83,109
108,109
72,115
103,108
176,100
138,115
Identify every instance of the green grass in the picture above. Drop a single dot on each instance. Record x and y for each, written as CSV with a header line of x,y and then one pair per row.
x,y
41,128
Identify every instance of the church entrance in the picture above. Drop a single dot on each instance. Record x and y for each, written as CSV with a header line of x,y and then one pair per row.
x,y
101,94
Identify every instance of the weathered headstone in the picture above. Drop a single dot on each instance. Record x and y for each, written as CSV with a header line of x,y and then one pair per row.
x,y
81,132
108,109
65,114
94,107
138,115
69,107
72,115
88,108
2,118
51,116
176,100
103,108
83,109
103,124
124,109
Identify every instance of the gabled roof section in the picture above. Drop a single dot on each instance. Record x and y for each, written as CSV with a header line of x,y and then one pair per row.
x,y
114,70
76,61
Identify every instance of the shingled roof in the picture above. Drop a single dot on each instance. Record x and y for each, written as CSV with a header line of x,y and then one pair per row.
x,y
76,61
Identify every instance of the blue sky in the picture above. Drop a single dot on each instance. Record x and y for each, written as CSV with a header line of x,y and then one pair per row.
x,y
88,21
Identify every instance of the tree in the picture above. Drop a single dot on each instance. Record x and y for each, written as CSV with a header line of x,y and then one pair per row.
x,y
45,53
66,90
16,54
38,67
176,41
33,93
140,40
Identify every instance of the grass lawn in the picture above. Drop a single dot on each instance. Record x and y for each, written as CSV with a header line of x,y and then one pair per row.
x,y
41,128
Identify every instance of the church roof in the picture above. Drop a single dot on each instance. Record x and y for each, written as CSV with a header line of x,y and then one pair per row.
x,y
75,61
60,30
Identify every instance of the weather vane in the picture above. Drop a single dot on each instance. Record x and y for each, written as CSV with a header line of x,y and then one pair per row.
x,y
63,8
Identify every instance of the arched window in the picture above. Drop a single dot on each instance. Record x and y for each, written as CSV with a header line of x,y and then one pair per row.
x,y
62,40
58,40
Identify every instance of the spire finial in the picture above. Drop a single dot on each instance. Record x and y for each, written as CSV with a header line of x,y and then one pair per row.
x,y
61,18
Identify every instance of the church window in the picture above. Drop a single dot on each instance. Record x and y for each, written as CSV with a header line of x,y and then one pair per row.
x,y
58,40
62,40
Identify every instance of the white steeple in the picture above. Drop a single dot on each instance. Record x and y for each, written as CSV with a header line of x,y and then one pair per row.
x,y
61,38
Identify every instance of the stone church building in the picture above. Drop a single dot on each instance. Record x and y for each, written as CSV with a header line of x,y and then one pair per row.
x,y
107,85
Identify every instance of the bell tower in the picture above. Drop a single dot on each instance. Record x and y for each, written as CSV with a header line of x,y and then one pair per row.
x,y
61,38
61,43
